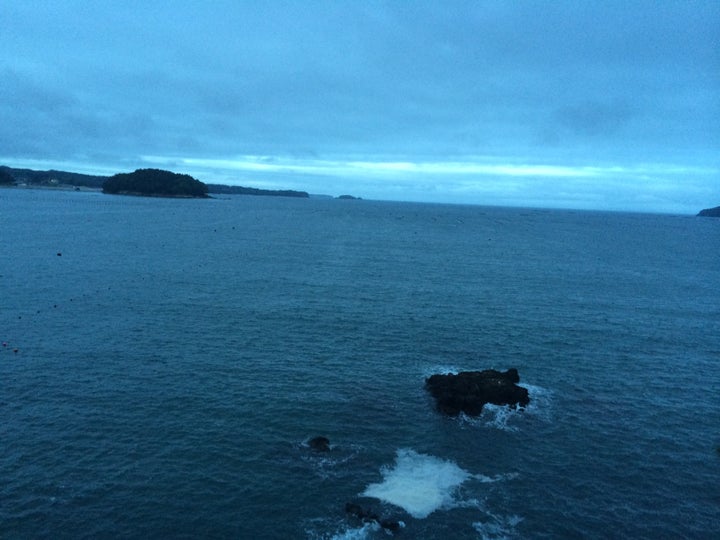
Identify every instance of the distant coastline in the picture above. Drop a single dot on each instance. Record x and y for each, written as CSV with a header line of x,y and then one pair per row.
x,y
241,190
710,212
71,181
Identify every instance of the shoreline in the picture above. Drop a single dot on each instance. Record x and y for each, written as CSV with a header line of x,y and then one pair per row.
x,y
59,187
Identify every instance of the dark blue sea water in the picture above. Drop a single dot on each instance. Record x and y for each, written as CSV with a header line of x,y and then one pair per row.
x,y
175,356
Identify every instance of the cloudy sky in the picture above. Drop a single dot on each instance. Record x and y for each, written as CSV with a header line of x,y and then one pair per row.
x,y
571,104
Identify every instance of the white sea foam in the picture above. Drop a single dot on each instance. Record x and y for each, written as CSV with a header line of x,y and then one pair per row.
x,y
357,533
505,418
499,416
497,527
443,369
344,532
540,401
330,464
497,478
418,483
446,370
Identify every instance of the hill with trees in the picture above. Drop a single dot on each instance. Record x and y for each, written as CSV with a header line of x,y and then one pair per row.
x,y
50,178
6,178
155,183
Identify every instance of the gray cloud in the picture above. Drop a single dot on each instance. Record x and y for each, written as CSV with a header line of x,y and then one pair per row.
x,y
544,82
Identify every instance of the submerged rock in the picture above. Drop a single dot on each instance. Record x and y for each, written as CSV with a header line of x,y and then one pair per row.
x,y
469,391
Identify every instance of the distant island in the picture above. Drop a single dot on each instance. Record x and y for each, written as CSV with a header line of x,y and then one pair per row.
x,y
155,183
10,176
710,212
350,197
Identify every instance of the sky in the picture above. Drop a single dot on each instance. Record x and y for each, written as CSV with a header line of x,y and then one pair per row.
x,y
611,105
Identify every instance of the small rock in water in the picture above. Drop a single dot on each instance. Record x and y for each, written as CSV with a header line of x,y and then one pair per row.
x,y
319,444
366,515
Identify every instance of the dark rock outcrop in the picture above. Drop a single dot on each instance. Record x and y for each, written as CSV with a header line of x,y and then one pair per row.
x,y
710,212
319,444
469,391
368,516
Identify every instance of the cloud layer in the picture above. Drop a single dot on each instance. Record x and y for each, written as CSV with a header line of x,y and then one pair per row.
x,y
499,87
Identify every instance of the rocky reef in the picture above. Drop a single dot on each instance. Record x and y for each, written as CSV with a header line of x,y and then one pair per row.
x,y
469,391
367,515
319,444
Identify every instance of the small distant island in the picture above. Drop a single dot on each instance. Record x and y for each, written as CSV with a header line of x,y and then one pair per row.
x,y
710,212
155,183
349,197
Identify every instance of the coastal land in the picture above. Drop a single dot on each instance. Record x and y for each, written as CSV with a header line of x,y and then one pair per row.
x,y
143,182
710,212
155,183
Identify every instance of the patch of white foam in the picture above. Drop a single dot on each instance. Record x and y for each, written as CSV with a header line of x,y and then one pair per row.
x,y
497,478
418,483
498,527
344,532
540,401
505,418
441,370
329,464
358,533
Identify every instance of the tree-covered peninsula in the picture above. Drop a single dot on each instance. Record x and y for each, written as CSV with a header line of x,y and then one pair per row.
x,y
710,212
155,183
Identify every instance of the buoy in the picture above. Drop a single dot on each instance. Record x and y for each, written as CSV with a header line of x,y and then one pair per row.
x,y
59,254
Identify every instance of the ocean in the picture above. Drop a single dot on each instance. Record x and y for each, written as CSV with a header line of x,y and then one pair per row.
x,y
164,363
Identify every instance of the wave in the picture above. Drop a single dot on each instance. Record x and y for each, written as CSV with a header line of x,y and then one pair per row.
x,y
330,464
357,533
365,532
442,369
540,405
506,418
418,483
497,527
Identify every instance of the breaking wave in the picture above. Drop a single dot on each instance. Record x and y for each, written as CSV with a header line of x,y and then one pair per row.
x,y
507,419
497,527
418,483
